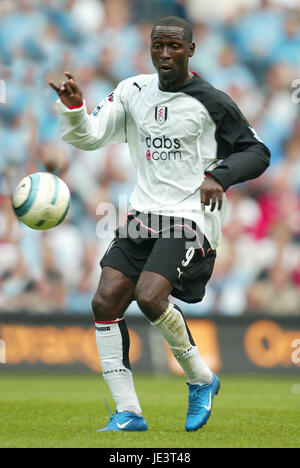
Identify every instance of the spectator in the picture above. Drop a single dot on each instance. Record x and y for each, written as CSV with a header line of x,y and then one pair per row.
x,y
275,294
287,49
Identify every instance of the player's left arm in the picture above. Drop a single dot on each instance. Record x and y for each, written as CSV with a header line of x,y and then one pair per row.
x,y
244,156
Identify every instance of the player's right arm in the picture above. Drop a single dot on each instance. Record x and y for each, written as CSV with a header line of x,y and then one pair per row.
x,y
106,125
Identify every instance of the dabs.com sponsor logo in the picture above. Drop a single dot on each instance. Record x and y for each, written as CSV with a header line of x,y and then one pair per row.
x,y
163,149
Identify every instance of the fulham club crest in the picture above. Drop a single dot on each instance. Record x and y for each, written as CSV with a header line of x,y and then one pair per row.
x,y
161,114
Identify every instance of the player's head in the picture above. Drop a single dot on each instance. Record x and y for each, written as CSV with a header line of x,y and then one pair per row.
x,y
171,47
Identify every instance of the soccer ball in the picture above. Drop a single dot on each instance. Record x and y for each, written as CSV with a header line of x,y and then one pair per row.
x,y
41,201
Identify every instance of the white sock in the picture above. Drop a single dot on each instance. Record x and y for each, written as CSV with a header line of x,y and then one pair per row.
x,y
172,326
113,346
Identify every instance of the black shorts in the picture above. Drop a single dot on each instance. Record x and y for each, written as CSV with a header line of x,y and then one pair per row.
x,y
187,268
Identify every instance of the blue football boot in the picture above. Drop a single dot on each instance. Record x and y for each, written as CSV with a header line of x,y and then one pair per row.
x,y
200,403
125,421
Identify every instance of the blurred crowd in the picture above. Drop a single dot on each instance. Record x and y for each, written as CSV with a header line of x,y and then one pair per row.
x,y
248,48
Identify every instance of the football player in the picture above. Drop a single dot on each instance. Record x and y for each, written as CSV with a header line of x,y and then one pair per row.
x,y
189,142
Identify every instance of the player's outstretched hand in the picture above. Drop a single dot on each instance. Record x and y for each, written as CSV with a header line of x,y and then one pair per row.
x,y
68,91
211,192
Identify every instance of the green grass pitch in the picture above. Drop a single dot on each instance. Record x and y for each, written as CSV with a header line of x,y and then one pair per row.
x,y
66,410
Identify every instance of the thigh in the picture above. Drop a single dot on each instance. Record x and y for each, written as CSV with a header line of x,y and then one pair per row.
x,y
187,269
127,257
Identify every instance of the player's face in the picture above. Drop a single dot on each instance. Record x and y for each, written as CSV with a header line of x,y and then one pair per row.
x,y
170,52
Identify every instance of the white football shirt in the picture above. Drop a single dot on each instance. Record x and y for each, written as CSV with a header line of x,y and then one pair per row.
x,y
174,139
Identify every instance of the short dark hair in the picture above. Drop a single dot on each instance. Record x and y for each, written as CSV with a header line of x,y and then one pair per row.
x,y
178,22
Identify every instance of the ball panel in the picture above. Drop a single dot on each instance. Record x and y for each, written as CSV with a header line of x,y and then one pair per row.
x,y
65,213
56,189
21,192
34,190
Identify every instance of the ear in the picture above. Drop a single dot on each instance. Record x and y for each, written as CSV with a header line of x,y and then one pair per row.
x,y
192,48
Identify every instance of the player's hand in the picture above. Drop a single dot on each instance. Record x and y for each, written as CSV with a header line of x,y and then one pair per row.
x,y
68,91
211,193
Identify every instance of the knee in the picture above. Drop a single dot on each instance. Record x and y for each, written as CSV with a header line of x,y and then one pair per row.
x,y
150,303
105,307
